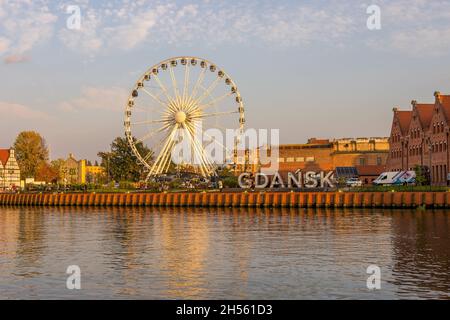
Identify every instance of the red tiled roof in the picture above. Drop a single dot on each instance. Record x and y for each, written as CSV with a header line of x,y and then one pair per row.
x,y
4,156
370,170
404,118
445,102
425,112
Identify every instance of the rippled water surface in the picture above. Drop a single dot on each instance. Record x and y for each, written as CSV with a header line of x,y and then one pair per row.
x,y
223,253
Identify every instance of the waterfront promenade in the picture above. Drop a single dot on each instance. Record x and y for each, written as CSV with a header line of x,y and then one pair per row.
x,y
236,199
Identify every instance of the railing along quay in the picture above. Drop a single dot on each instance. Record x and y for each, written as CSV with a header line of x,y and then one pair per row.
x,y
234,199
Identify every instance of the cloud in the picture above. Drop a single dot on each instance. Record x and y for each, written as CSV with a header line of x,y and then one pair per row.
x,y
416,28
16,59
4,44
110,99
428,42
24,24
20,111
125,25
129,25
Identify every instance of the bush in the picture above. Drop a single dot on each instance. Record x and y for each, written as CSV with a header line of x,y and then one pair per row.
x,y
230,182
126,185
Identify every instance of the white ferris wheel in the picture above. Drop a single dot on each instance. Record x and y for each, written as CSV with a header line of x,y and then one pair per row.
x,y
170,102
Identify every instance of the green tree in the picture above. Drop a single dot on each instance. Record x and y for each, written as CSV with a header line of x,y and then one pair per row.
x,y
31,151
121,164
421,176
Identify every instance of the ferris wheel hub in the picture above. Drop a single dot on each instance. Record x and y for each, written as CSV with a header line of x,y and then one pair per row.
x,y
180,117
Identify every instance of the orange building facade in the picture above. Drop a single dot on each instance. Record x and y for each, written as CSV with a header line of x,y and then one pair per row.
x,y
326,155
420,137
368,155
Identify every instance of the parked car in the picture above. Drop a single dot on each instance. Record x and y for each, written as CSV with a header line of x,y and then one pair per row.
x,y
353,182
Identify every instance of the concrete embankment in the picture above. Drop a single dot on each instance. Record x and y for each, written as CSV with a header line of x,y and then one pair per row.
x,y
236,199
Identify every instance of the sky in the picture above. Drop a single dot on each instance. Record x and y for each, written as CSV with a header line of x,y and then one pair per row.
x,y
308,68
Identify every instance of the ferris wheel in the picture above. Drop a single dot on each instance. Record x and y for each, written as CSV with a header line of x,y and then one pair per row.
x,y
171,102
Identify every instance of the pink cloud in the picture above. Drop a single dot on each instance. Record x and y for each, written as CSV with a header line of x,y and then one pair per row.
x,y
20,111
17,58
111,99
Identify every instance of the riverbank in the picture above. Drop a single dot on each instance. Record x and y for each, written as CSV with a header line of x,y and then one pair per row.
x,y
236,199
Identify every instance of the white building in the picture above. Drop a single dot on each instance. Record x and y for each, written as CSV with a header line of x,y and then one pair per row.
x,y
9,170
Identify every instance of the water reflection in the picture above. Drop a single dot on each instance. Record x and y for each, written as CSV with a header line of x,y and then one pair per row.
x,y
229,253
422,254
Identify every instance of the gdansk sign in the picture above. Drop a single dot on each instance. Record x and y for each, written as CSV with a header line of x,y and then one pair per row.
x,y
299,179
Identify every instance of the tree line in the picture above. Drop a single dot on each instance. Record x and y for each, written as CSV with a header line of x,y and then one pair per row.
x,y
119,163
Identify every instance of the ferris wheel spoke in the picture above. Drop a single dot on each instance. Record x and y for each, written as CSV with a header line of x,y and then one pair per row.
x,y
166,158
150,122
174,84
148,156
200,150
215,141
164,89
216,114
153,132
167,106
216,101
164,113
154,97
208,91
155,168
204,165
200,79
186,82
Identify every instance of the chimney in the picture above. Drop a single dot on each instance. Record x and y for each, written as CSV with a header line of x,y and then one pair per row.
x,y
395,109
437,95
413,103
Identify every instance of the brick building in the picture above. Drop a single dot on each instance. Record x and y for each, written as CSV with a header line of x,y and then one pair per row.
x,y
369,155
326,155
420,136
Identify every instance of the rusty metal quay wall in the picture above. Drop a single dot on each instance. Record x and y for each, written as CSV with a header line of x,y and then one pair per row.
x,y
236,199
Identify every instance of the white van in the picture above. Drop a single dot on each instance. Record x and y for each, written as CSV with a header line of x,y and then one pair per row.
x,y
406,178
387,178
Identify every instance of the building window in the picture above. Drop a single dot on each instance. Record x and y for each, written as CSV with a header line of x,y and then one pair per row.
x,y
290,159
300,159
379,161
362,161
310,159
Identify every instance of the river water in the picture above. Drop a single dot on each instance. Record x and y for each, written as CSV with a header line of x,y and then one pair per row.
x,y
180,253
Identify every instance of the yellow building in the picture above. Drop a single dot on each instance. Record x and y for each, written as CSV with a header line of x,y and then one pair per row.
x,y
75,171
94,174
